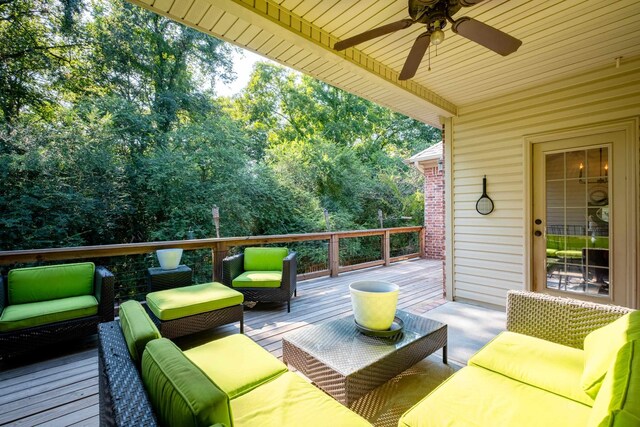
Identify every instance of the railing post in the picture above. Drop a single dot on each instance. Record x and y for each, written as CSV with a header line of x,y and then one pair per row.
x,y
386,247
334,255
218,253
421,242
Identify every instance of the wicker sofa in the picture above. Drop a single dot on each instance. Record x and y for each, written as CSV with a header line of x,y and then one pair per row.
x,y
41,306
561,362
147,381
262,274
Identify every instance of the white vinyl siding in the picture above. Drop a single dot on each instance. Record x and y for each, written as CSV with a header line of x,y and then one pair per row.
x,y
489,252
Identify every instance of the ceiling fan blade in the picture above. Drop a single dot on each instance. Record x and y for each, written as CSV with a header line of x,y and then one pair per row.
x,y
372,34
415,56
467,3
487,36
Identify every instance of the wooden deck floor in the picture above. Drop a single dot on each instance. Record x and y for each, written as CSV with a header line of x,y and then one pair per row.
x,y
60,387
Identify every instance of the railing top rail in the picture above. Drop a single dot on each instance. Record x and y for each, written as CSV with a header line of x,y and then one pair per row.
x,y
83,252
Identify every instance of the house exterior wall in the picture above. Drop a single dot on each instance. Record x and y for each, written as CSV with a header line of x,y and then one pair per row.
x,y
490,254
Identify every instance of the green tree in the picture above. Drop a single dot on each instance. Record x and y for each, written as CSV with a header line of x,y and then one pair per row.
x,y
37,50
344,150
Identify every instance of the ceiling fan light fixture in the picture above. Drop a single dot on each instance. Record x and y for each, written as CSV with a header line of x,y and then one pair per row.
x,y
437,37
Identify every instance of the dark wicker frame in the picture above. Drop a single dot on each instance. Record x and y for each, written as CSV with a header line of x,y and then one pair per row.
x,y
123,398
233,266
25,340
198,322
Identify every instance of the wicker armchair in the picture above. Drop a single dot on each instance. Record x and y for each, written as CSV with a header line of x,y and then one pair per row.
x,y
20,341
123,400
233,266
561,320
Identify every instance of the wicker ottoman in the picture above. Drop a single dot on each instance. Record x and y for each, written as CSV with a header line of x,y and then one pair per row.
x,y
183,311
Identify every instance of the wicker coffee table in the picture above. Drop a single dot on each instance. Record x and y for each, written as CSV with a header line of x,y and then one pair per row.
x,y
347,364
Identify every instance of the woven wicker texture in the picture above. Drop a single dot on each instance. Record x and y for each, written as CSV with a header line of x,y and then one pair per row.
x,y
159,279
346,364
560,320
25,340
123,399
233,266
198,322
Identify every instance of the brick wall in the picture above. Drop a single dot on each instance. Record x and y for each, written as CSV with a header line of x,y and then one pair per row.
x,y
434,212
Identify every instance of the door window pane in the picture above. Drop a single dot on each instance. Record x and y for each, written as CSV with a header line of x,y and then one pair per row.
x,y
577,218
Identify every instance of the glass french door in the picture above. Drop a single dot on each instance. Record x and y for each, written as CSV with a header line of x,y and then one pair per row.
x,y
574,231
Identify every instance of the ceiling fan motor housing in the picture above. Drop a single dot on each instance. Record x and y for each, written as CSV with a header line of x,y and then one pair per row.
x,y
428,12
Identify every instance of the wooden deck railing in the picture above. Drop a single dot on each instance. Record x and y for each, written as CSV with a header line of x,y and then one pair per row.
x,y
220,246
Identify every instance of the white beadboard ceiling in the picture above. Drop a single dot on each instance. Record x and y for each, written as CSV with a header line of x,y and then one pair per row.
x,y
560,38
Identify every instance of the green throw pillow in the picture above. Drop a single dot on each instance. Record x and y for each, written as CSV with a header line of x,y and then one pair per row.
x,y
180,393
137,328
618,402
601,347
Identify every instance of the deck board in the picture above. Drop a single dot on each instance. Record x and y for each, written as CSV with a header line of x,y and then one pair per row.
x,y
60,387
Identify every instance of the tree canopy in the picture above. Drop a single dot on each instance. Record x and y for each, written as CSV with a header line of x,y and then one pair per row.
x,y
111,132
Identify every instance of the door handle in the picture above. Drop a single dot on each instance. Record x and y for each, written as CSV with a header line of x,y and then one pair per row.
x,y
538,233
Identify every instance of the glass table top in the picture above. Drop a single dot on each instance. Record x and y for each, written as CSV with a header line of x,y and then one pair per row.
x,y
338,344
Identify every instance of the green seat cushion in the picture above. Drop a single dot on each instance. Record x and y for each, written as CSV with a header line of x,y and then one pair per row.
x,y
180,393
569,254
29,315
618,401
50,282
138,329
252,364
258,279
195,299
264,259
288,400
551,252
543,364
478,397
601,347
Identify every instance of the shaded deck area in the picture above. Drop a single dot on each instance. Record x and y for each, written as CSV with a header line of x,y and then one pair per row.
x,y
60,387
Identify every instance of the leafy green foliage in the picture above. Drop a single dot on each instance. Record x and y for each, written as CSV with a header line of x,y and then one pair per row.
x,y
111,132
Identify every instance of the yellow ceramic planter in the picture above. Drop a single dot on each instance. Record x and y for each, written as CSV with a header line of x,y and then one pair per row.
x,y
374,303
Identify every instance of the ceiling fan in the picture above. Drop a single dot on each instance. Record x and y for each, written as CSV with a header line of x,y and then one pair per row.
x,y
435,14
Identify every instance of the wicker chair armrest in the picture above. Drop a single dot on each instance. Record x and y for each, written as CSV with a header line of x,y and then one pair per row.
x,y
3,293
123,398
561,320
103,281
232,267
289,271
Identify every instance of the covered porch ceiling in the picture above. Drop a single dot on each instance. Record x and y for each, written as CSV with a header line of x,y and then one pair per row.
x,y
560,38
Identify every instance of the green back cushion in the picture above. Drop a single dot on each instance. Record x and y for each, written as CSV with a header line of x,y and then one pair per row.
x,y
50,282
264,259
137,328
601,347
618,402
180,393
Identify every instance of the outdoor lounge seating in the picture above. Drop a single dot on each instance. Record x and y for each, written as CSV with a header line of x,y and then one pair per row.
x,y
262,274
183,311
562,362
45,305
146,380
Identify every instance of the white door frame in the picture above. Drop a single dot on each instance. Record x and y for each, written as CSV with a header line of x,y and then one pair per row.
x,y
631,129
